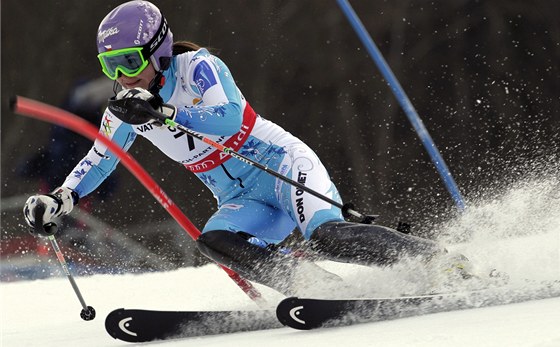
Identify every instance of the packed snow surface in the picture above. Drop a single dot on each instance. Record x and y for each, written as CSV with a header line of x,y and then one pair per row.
x,y
517,232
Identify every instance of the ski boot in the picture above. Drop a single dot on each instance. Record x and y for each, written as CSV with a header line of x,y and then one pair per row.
x,y
453,272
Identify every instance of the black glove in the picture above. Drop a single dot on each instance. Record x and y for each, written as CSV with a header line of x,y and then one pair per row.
x,y
139,106
40,211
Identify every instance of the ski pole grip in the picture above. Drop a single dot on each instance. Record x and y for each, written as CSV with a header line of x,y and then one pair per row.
x,y
45,230
50,229
348,210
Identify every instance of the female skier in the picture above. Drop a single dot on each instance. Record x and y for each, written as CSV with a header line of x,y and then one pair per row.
x,y
255,210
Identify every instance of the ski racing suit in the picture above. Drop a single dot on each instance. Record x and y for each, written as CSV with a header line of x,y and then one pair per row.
x,y
249,200
255,209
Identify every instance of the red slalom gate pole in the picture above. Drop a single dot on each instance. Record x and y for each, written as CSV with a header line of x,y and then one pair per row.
x,y
55,115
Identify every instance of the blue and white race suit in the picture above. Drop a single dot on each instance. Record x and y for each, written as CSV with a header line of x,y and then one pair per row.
x,y
208,101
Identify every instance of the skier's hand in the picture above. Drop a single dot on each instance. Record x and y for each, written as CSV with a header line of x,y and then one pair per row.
x,y
139,106
40,211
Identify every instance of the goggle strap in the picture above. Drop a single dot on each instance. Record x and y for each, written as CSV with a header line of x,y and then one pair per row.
x,y
157,39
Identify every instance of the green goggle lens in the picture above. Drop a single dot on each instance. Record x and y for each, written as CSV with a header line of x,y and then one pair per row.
x,y
129,61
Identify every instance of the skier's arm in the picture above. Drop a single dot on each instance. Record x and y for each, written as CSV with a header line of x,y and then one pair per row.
x,y
99,162
40,211
222,112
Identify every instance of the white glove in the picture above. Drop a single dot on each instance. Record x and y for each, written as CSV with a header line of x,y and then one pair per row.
x,y
40,211
168,110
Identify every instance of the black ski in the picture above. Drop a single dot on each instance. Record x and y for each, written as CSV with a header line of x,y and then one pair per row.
x,y
300,313
305,314
147,325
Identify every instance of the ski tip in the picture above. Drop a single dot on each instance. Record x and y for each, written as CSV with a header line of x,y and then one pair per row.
x,y
112,321
291,312
124,324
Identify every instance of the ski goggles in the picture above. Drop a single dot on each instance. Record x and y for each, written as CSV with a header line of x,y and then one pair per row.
x,y
128,61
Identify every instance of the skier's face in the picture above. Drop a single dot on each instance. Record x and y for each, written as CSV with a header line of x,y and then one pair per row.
x,y
142,80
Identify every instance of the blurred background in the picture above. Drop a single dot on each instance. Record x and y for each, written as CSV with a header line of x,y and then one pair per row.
x,y
483,75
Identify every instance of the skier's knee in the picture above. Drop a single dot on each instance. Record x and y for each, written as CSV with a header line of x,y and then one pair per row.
x,y
327,234
209,239
216,244
227,247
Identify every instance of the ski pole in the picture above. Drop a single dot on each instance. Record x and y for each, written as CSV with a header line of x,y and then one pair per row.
x,y
60,117
404,101
88,312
